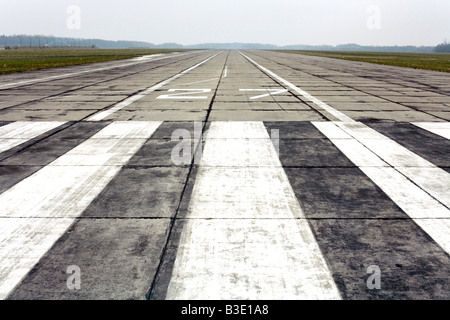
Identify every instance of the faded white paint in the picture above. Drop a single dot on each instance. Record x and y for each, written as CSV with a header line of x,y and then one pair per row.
x,y
106,113
246,236
426,175
196,82
339,115
270,92
38,210
185,94
16,133
440,128
418,187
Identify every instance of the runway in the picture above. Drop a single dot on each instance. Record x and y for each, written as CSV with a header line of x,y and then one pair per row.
x,y
225,175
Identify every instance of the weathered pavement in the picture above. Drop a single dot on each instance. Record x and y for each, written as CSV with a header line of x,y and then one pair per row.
x,y
225,175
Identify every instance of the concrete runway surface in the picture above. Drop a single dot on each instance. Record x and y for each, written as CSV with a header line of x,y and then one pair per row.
x,y
225,175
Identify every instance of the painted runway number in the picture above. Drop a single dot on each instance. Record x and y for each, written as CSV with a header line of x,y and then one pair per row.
x,y
185,94
269,92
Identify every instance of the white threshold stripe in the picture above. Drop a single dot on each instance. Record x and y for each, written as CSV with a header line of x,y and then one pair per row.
x,y
242,238
386,165
37,211
425,174
16,133
73,74
106,113
339,115
440,128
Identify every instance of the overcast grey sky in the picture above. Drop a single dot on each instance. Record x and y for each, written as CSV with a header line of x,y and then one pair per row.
x,y
281,22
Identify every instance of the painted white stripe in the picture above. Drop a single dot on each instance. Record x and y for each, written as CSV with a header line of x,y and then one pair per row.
x,y
225,72
440,128
339,115
270,92
195,82
16,133
426,175
74,74
147,57
104,114
246,236
386,164
38,210
185,94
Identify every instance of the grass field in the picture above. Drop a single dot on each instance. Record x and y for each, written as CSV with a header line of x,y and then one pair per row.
x,y
28,59
426,61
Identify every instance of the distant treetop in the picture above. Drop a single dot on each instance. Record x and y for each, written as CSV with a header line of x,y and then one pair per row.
x,y
442,48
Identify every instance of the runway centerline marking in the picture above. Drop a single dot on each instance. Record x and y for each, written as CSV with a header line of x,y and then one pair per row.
x,y
106,113
243,238
37,211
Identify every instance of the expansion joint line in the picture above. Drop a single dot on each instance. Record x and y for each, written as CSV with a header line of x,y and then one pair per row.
x,y
151,291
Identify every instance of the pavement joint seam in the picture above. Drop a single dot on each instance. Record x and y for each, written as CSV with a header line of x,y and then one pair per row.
x,y
192,167
361,90
80,88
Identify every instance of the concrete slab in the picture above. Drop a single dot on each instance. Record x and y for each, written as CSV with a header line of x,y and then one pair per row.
x,y
141,192
169,105
368,106
85,98
332,193
44,115
310,153
233,115
412,266
117,259
290,130
400,116
56,105
158,115
442,115
429,106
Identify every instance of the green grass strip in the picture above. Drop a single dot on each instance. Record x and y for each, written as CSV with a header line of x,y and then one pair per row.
x,y
425,61
30,59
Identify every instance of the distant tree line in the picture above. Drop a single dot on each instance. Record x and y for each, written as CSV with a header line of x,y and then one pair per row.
x,y
13,41
443,48
341,47
41,41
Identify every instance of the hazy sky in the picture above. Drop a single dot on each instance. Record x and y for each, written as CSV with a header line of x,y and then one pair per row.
x,y
281,22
